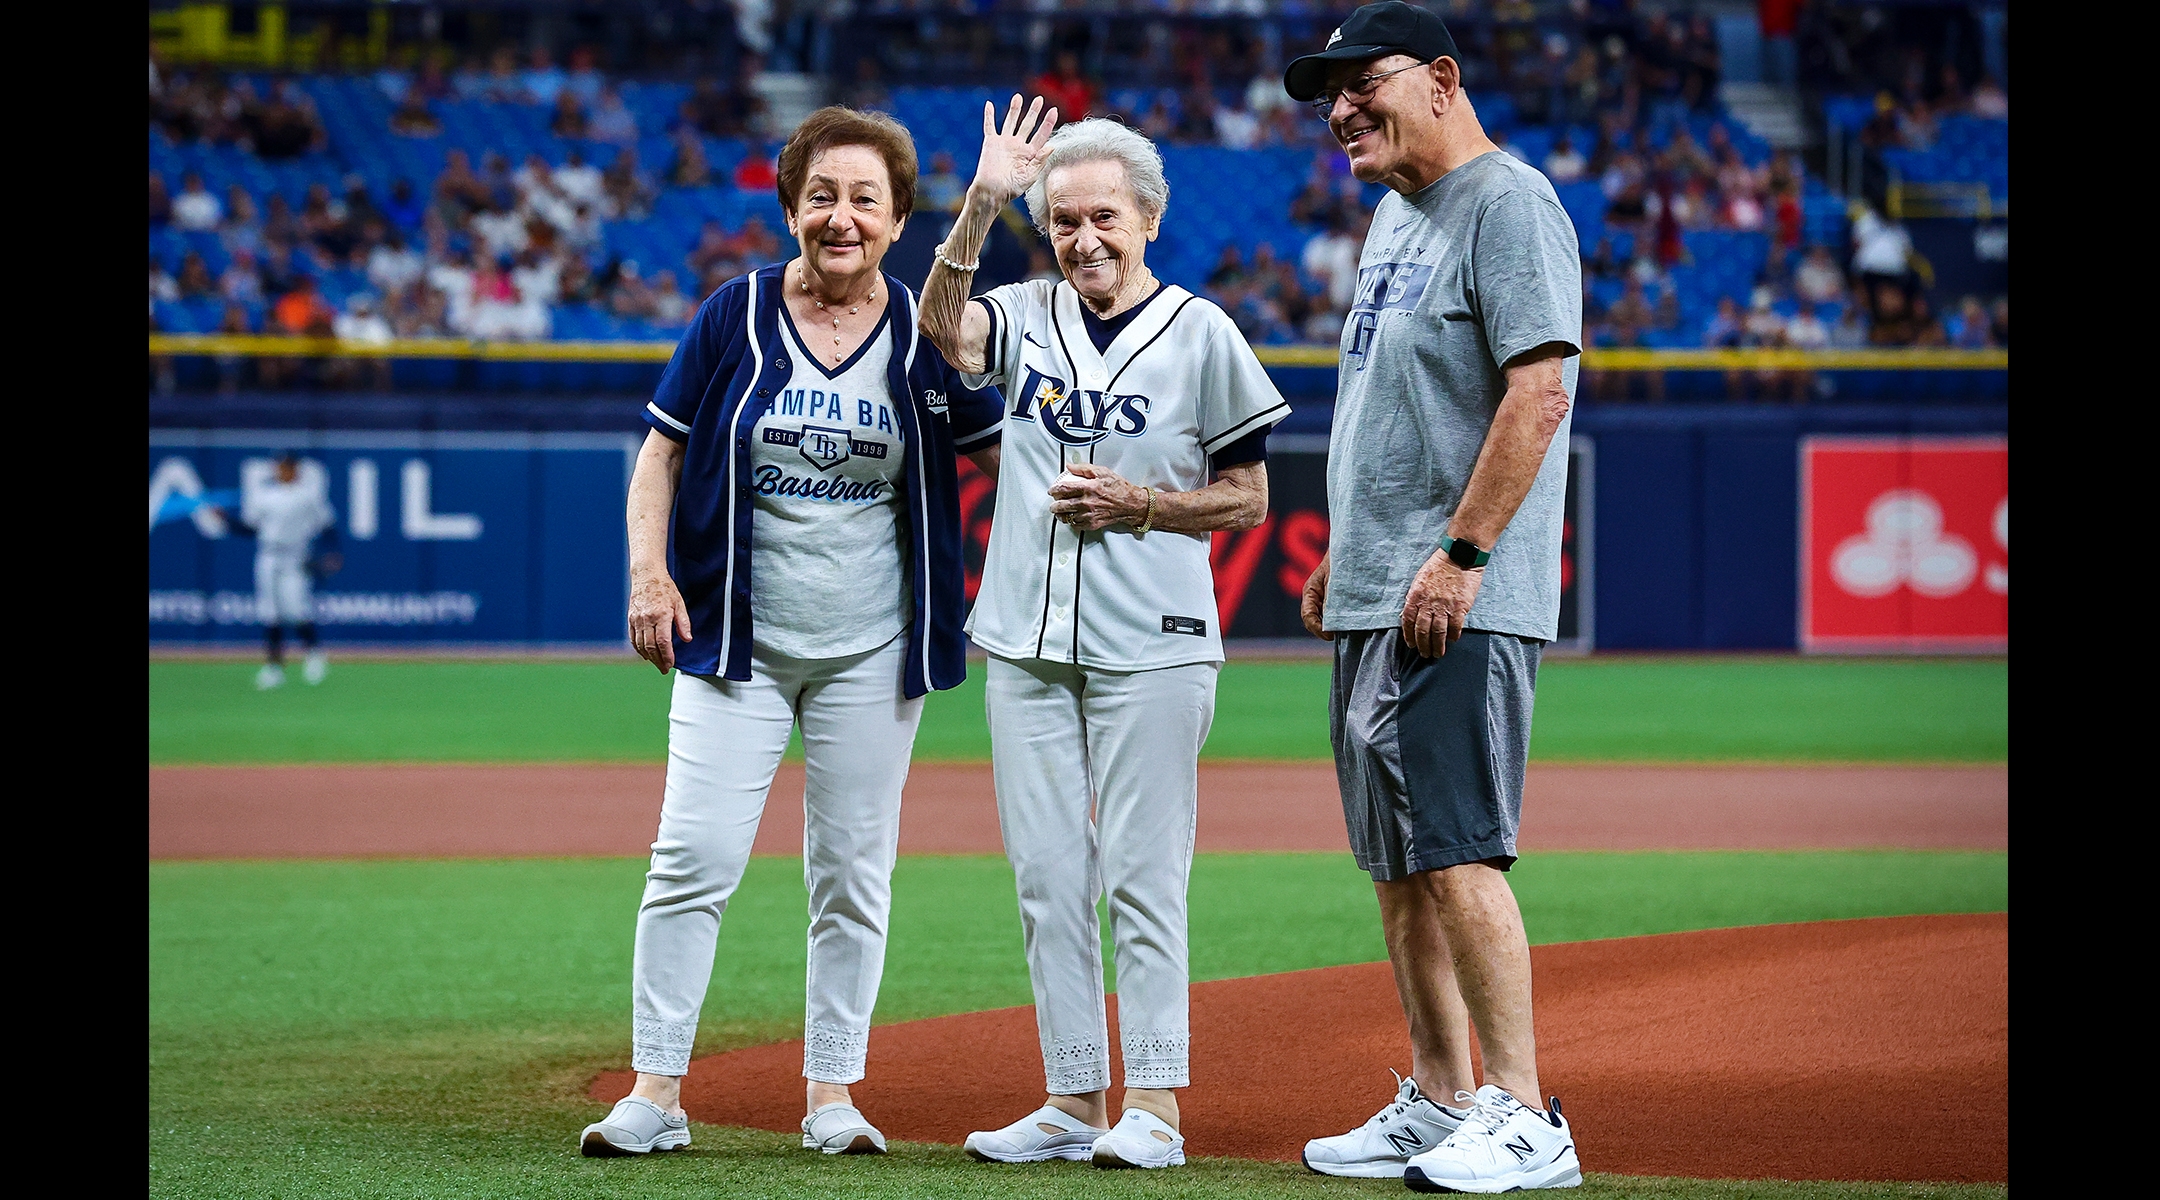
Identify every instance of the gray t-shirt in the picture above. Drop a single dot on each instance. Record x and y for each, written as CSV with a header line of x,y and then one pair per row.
x,y
827,562
1479,267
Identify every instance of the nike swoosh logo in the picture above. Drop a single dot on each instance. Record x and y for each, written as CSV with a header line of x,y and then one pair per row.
x,y
1030,339
1391,233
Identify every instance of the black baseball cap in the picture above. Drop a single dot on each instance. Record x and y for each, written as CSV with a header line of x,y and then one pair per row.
x,y
1373,31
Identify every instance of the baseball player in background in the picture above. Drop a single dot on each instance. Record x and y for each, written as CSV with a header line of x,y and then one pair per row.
x,y
1446,471
286,512
1136,424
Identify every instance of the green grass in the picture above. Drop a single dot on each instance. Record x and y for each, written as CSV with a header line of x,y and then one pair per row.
x,y
1616,710
427,1028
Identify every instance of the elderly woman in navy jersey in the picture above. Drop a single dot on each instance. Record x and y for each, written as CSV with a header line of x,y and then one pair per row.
x,y
795,557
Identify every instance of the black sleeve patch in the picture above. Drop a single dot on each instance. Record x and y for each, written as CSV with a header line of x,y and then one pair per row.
x,y
1192,625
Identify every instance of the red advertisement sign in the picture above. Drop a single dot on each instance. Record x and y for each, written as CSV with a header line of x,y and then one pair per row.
x,y
1904,544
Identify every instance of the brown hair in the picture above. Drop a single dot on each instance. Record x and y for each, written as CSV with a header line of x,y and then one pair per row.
x,y
833,126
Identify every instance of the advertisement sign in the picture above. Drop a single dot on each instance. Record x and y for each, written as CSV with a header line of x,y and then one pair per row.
x,y
443,537
1905,544
1260,573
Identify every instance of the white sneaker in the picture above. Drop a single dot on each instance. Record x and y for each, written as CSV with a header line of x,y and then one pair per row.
x,y
1380,1148
837,1128
1132,1142
1048,1132
316,666
1503,1146
271,676
635,1126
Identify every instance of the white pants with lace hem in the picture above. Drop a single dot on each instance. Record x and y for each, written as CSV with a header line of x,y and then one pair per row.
x,y
1098,788
725,741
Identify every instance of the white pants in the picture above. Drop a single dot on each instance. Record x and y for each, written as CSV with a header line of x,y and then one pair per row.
x,y
283,593
725,740
1065,740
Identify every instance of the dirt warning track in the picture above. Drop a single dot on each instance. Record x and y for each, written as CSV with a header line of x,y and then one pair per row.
x,y
1853,1050
488,810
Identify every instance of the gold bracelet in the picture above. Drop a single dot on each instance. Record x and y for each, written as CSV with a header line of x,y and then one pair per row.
x,y
1147,522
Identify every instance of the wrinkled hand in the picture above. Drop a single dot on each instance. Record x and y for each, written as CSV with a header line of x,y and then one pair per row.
x,y
1013,153
1438,604
1090,497
657,613
1315,601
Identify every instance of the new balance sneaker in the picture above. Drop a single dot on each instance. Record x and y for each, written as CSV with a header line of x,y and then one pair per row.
x,y
635,1126
1048,1132
271,676
1380,1148
1503,1146
837,1128
1142,1139
316,666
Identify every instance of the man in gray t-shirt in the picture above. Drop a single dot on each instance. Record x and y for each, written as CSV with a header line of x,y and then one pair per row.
x,y
1441,585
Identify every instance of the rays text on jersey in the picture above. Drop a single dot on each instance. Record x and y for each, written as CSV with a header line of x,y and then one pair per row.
x,y
1078,417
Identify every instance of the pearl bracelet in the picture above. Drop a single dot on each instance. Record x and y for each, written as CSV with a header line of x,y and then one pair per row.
x,y
963,268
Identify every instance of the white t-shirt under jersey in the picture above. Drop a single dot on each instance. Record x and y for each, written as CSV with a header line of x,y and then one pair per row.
x,y
828,567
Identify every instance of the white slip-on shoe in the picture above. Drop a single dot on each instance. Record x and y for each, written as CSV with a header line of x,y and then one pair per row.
x,y
837,1128
1132,1142
1380,1148
1504,1146
271,676
1048,1132
634,1126
315,667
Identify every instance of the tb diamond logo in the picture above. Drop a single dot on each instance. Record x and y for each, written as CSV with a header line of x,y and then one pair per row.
x,y
824,447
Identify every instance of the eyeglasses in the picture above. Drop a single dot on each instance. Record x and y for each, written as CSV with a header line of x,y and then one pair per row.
x,y
1359,90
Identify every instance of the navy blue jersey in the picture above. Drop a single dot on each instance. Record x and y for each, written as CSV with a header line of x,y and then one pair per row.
x,y
725,373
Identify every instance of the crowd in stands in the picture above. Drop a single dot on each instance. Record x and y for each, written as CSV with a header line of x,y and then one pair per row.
x,y
1619,110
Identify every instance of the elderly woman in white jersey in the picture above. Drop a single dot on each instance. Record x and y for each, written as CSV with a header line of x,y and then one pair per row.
x,y
1137,425
795,555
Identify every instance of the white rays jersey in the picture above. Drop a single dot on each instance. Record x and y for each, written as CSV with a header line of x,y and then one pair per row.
x,y
1176,385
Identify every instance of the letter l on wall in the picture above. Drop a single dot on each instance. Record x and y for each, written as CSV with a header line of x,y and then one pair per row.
x,y
421,522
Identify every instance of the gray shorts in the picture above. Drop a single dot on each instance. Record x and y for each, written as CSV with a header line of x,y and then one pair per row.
x,y
1430,752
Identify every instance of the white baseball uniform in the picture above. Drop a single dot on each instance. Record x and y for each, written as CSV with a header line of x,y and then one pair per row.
x,y
1106,647
286,517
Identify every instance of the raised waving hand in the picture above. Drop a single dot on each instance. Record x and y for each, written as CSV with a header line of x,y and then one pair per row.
x,y
1013,151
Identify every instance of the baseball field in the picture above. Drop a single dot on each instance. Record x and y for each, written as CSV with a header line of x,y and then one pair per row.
x,y
390,927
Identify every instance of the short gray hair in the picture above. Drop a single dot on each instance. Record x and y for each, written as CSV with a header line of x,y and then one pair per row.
x,y
1098,139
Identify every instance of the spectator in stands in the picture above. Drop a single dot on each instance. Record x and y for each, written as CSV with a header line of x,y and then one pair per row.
x,y
1603,262
1228,274
413,117
286,126
612,120
195,209
628,296
279,273
576,284
578,181
543,80
1818,280
1066,88
1627,192
501,230
1043,265
1999,320
1850,332
302,311
1726,327
1196,117
1917,127
1702,64
1237,128
583,80
501,83
625,193
419,311
1891,322
160,201
459,191
403,210
1630,316
323,222
240,282
162,285
392,264
1927,328
242,227
1565,164
361,325
756,244
1331,261
689,167
1882,261
568,120
1763,327
232,367
1806,331
868,91
669,306
713,248
1989,101
537,278
195,281
756,173
942,189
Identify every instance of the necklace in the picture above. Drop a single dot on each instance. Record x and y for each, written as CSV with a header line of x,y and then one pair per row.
x,y
852,310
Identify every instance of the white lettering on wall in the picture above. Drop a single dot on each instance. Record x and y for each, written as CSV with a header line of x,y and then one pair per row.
x,y
421,522
362,509
176,477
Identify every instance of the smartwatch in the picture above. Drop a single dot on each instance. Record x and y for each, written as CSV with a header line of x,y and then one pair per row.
x,y
1464,553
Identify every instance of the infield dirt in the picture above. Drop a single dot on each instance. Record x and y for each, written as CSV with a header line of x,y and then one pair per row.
x,y
1858,1050
494,810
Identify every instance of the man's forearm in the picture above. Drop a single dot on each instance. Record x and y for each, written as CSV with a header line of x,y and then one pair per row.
x,y
1515,447
945,293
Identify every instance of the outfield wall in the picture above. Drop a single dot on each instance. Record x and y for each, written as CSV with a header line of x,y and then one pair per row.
x,y
476,520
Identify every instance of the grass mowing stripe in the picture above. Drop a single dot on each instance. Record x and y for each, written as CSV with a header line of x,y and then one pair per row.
x,y
427,1028
1617,710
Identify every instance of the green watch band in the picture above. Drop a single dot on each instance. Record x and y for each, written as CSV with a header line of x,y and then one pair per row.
x,y
1464,553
